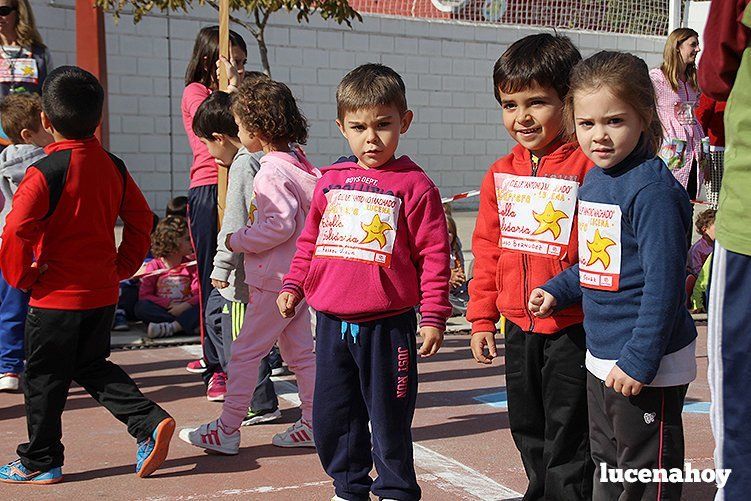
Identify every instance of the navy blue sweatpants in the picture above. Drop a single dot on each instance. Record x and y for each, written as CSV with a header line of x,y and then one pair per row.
x,y
366,372
728,348
13,306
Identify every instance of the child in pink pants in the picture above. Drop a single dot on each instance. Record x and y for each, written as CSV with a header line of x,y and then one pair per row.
x,y
268,119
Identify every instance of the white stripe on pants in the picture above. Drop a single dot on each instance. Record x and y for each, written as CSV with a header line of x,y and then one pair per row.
x,y
714,353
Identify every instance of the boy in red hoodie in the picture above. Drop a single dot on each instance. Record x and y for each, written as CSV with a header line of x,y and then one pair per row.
x,y
526,234
59,244
375,245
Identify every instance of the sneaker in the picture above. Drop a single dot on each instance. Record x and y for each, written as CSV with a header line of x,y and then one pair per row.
x,y
16,473
196,366
9,382
120,322
160,329
152,452
278,371
212,436
259,417
217,387
299,434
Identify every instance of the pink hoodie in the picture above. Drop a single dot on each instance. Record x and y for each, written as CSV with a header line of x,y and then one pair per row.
x,y
282,191
374,245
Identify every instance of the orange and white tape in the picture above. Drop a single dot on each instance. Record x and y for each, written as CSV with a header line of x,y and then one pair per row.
x,y
459,196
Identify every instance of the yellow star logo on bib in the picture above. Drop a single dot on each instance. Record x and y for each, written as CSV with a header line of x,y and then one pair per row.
x,y
598,249
252,212
28,71
548,220
374,232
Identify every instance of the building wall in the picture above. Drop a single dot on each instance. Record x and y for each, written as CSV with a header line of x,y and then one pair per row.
x,y
446,67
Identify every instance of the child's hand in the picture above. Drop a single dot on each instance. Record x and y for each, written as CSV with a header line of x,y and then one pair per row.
x,y
457,277
234,77
226,242
287,303
219,284
478,343
41,270
541,303
622,382
432,339
177,308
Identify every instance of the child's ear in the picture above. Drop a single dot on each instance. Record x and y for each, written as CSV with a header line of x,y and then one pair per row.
x,y
46,123
219,138
341,127
26,135
406,120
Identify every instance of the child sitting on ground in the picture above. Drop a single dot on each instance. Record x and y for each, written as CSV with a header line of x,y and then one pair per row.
x,y
633,217
215,126
59,244
374,246
168,301
703,247
20,119
268,119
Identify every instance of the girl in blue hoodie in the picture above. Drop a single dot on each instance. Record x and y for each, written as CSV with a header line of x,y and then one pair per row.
x,y
633,217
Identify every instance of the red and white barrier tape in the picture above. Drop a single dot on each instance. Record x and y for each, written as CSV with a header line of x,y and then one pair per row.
x,y
459,196
165,270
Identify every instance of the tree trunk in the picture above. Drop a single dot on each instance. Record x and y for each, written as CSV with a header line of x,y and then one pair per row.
x,y
263,50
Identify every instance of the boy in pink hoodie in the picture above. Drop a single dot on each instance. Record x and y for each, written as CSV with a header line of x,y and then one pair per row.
x,y
375,245
268,119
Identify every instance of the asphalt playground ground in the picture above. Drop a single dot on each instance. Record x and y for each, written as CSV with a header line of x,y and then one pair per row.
x,y
463,446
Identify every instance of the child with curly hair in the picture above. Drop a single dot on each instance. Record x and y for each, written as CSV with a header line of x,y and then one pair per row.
x,y
268,120
168,300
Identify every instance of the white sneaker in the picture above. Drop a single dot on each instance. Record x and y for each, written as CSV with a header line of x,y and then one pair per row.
x,y
299,434
213,437
161,329
9,382
337,498
267,417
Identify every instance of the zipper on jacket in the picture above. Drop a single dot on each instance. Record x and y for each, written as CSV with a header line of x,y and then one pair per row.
x,y
535,167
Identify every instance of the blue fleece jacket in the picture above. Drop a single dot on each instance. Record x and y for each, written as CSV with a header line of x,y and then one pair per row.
x,y
646,318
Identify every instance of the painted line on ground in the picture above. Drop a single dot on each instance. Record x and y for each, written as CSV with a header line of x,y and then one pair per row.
x,y
265,489
500,400
451,475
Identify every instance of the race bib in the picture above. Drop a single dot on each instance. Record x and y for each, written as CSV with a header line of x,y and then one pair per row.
x,y
599,245
535,213
19,70
358,226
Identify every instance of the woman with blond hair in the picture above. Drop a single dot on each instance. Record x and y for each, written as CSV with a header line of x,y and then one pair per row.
x,y
24,59
677,92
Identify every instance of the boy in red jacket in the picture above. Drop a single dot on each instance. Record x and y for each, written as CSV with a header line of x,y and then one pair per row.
x,y
526,234
59,244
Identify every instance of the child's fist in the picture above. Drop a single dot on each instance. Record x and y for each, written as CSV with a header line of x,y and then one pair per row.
x,y
623,383
219,284
541,303
432,339
479,341
286,303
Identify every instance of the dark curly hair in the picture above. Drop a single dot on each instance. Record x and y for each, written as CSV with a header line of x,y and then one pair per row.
x,y
267,108
166,237
704,220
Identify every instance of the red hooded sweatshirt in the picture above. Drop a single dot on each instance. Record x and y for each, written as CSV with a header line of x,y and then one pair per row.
x,y
504,278
64,214
375,244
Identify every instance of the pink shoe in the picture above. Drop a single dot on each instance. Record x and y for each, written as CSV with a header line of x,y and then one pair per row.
x,y
217,387
196,366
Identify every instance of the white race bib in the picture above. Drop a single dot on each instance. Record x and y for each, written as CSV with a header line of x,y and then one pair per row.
x,y
599,245
358,226
19,70
535,213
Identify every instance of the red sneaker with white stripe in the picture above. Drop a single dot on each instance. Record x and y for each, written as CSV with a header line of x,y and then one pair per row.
x,y
212,436
299,434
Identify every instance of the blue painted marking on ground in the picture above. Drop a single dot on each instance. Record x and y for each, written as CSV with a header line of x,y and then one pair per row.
x,y
494,399
499,400
696,407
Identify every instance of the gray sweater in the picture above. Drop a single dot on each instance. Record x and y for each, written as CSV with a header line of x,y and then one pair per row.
x,y
14,160
228,266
